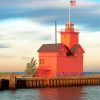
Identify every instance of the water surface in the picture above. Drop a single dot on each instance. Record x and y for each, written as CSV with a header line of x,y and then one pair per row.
x,y
68,93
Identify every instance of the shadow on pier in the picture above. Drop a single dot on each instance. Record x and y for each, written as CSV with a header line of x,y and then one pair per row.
x,y
4,84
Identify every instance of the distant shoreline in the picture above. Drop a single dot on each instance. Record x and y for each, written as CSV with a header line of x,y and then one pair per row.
x,y
8,74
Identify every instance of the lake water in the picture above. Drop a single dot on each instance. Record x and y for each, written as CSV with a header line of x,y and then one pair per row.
x,y
68,93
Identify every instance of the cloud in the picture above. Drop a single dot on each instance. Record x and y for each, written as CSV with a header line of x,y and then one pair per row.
x,y
31,3
25,58
86,12
86,17
1,37
45,37
40,3
24,29
15,29
4,56
5,46
94,45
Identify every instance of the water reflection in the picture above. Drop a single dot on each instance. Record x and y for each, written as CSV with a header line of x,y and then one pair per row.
x,y
69,93
66,93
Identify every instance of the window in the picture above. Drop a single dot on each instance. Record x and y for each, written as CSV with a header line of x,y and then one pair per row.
x,y
74,60
41,61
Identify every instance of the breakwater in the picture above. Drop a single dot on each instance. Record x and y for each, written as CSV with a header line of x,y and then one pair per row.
x,y
27,82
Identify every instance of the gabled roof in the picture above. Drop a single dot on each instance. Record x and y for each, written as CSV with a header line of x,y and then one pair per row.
x,y
56,47
49,47
75,47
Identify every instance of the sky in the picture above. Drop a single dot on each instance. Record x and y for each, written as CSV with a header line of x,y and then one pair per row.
x,y
27,24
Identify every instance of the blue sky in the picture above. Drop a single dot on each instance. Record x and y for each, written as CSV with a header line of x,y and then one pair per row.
x,y
26,24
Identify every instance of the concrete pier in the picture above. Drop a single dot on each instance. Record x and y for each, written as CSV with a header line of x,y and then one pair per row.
x,y
30,83
27,82
12,82
74,81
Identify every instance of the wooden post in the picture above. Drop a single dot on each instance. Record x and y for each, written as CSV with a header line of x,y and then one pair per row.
x,y
70,82
55,82
76,81
64,82
86,81
0,84
73,81
12,82
97,81
58,83
41,83
81,81
27,83
47,82
38,83
61,82
67,82
30,83
51,83
34,83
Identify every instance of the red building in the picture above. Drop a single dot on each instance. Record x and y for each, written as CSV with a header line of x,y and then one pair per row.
x,y
63,59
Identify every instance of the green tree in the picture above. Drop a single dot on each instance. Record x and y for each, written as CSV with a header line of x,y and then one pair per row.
x,y
31,68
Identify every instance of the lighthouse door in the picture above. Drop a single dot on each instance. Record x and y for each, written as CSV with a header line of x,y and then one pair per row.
x,y
47,74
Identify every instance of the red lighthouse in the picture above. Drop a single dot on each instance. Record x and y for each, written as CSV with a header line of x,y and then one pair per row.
x,y
63,59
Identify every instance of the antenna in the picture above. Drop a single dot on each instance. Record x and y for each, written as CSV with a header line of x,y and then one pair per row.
x,y
55,32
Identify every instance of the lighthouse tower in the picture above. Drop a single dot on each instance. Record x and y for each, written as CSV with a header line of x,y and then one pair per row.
x,y
69,37
62,59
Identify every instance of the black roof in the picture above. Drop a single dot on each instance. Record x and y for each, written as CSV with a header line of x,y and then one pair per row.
x,y
49,47
56,47
73,49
